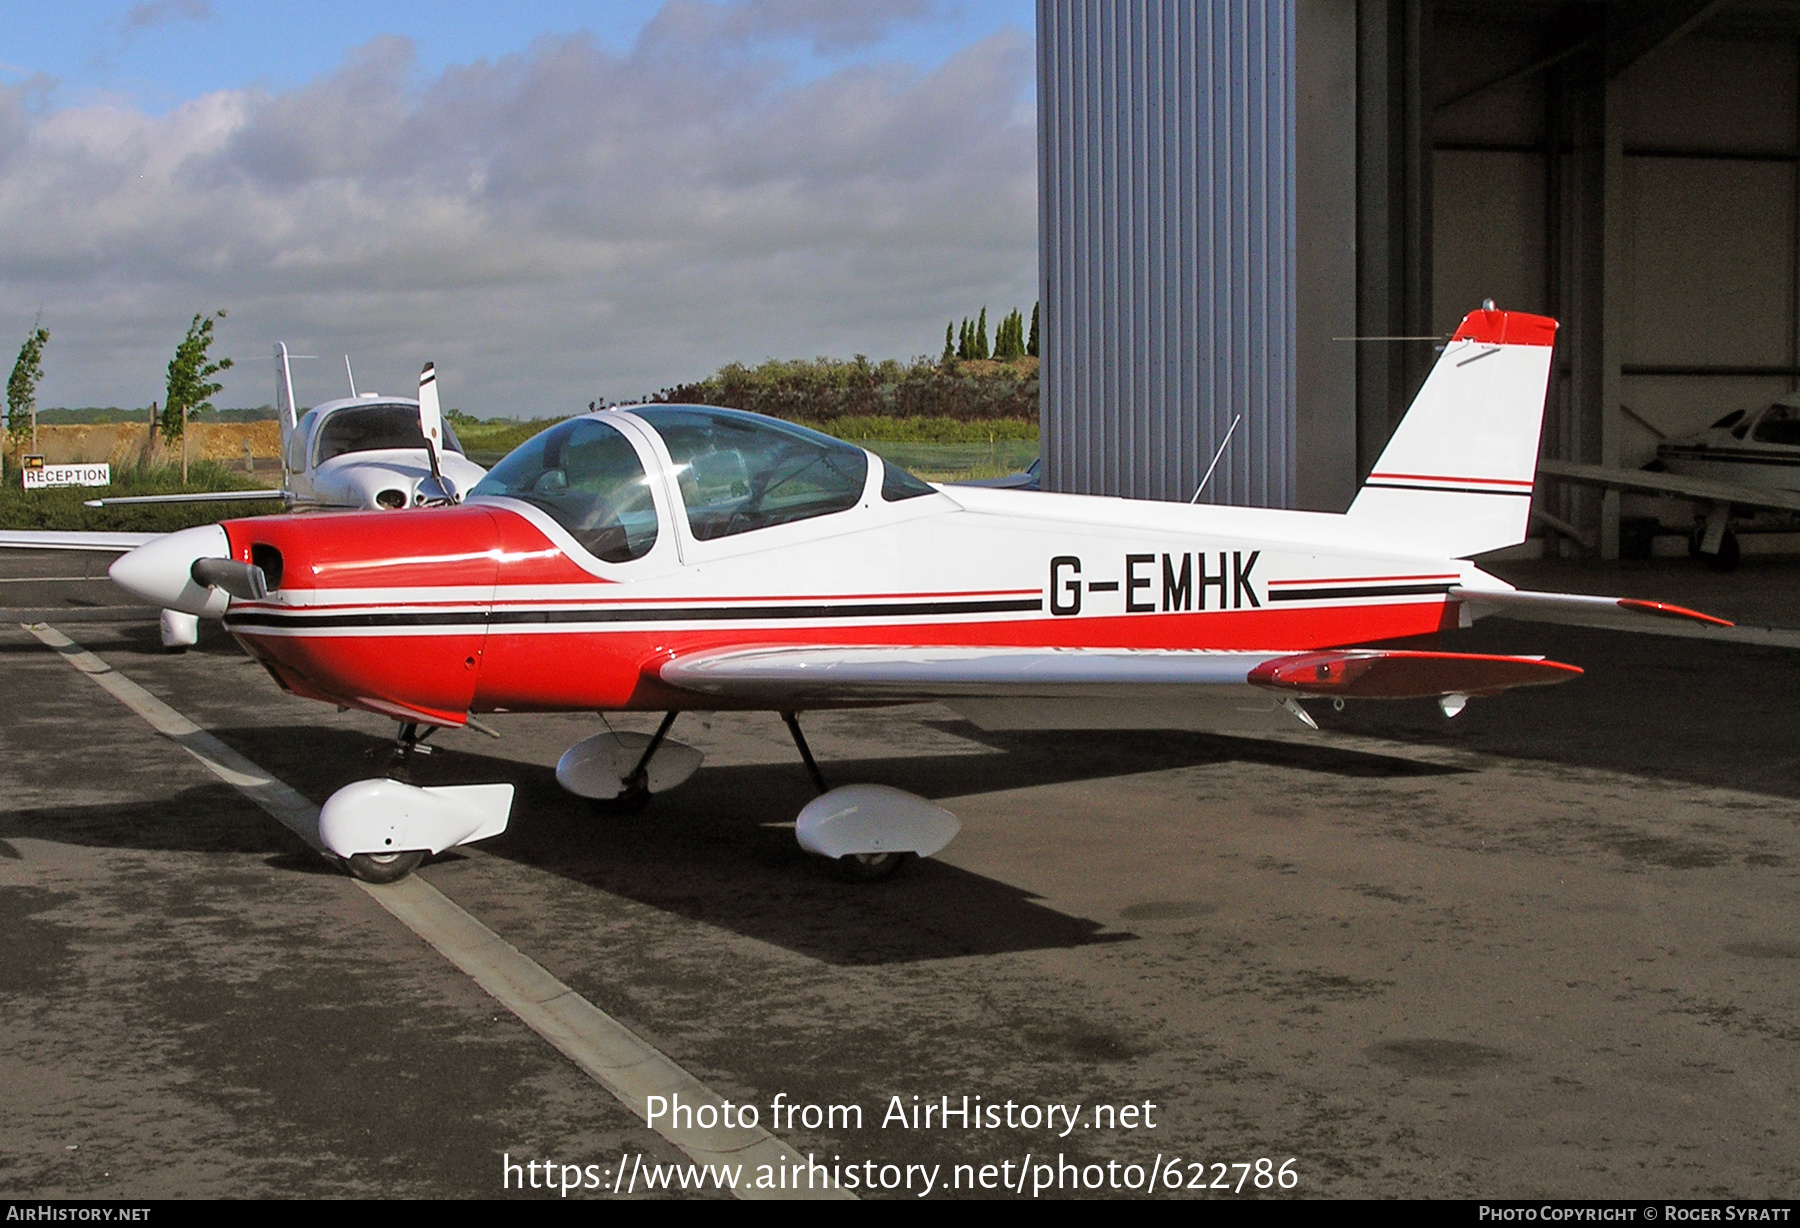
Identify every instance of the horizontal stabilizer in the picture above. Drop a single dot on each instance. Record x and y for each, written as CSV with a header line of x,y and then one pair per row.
x,y
1380,674
1579,609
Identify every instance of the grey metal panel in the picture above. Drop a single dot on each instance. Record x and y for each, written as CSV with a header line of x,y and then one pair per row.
x,y
1167,246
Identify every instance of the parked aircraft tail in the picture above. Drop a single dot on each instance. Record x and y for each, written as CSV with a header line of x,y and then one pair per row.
x,y
1456,477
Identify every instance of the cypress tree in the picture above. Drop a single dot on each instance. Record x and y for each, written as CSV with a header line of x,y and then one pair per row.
x,y
949,350
1006,345
1031,346
981,345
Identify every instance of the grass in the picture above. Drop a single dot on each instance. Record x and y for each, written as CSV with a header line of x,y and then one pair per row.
x,y
957,462
61,510
938,449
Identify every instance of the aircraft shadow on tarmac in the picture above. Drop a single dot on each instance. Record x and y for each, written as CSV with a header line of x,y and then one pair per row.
x,y
720,849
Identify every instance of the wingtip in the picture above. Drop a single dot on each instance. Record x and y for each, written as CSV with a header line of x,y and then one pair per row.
x,y
1663,609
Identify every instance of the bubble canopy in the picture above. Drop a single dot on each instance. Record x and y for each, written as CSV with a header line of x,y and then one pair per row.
x,y
588,478
735,472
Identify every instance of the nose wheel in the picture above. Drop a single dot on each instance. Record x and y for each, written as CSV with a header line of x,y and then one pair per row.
x,y
868,867
384,867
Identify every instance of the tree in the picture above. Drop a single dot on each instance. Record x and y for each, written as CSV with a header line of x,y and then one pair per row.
x,y
190,382
949,347
21,389
1009,338
1031,345
981,345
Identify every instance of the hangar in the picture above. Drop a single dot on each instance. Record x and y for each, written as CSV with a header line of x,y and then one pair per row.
x,y
1243,204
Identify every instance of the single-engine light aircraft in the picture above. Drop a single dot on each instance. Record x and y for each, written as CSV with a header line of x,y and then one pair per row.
x,y
674,558
1748,459
366,451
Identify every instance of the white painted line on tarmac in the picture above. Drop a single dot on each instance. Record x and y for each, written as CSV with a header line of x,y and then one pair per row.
x,y
292,810
610,1053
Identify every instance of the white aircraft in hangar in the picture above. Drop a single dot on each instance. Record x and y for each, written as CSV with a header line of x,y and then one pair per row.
x,y
1750,458
364,452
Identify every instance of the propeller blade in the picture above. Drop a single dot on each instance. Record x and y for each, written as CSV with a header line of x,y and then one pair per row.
x,y
431,425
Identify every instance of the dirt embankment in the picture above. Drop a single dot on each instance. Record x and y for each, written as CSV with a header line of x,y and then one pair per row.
x,y
131,444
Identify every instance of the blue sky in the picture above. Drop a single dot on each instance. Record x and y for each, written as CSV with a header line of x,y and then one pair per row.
x,y
556,201
159,53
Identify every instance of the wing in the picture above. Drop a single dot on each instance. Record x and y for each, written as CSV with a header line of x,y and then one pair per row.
x,y
803,676
216,496
46,539
1672,484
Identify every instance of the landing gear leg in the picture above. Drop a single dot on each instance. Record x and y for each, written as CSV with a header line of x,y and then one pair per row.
x,y
853,867
812,765
407,743
636,794
1714,541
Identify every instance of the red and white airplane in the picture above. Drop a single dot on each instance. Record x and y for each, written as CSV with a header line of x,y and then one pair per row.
x,y
675,558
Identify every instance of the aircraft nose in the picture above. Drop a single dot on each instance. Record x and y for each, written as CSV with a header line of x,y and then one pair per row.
x,y
161,572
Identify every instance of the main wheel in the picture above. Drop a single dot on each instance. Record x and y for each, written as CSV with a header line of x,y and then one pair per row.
x,y
868,867
384,867
632,801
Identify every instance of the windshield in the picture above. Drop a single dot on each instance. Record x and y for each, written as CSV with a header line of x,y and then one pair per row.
x,y
1780,424
371,428
740,472
589,479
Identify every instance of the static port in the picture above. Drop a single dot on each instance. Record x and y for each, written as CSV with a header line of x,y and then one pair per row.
x,y
391,498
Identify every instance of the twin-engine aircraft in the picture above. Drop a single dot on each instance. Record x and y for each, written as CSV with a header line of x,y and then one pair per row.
x,y
365,451
675,558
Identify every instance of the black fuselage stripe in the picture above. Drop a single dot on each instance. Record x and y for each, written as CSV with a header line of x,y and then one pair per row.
x,y
656,614
1326,594
1450,490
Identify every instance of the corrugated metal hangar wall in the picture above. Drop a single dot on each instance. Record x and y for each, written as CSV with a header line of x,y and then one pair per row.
x,y
1166,232
1632,168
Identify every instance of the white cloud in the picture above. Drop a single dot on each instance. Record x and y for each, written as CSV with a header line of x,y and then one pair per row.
x,y
549,227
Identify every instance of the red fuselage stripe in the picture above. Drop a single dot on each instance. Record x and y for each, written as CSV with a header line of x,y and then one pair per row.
x,y
1433,477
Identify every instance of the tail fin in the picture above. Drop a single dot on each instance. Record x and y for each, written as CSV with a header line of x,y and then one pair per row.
x,y
284,393
1456,478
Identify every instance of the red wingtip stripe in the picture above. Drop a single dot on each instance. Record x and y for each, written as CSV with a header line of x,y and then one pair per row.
x,y
1388,674
1664,610
1506,328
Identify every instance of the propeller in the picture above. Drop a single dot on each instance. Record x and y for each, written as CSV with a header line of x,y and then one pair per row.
x,y
431,425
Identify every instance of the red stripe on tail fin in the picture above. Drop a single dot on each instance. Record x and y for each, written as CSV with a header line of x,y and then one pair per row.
x,y
1506,328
